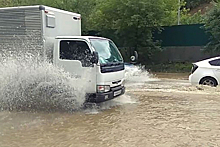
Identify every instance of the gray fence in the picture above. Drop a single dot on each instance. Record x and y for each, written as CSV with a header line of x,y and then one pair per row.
x,y
183,54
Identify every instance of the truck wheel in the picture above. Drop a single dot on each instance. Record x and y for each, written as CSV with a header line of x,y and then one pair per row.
x,y
209,81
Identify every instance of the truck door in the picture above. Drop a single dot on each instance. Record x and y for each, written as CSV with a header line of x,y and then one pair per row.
x,y
74,56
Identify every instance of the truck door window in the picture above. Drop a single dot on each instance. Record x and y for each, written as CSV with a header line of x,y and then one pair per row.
x,y
75,50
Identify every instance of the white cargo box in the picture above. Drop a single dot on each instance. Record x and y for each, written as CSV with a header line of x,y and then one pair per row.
x,y
34,28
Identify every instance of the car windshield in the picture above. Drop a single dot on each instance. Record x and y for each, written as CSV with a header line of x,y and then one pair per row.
x,y
107,50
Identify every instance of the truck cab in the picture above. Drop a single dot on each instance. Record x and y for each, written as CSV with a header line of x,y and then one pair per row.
x,y
95,60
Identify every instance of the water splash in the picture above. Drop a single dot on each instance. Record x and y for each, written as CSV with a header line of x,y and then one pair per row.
x,y
137,75
122,100
29,83
119,101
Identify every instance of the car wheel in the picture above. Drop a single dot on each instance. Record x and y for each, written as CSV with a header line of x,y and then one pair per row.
x,y
209,81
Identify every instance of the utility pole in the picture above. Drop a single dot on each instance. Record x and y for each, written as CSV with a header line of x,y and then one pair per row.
x,y
179,3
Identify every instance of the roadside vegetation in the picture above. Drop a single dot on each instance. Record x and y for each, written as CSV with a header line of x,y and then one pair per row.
x,y
172,67
212,27
131,23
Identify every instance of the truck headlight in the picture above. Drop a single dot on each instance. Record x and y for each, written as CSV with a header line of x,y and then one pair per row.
x,y
103,88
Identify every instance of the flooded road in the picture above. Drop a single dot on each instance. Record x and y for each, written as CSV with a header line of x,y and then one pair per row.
x,y
159,110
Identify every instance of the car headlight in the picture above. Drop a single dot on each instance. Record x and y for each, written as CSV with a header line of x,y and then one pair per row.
x,y
103,88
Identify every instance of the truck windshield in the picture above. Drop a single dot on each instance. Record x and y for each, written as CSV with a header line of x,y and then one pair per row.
x,y
107,50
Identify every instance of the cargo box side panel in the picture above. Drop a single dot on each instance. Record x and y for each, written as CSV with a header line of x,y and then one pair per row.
x,y
21,31
62,23
58,22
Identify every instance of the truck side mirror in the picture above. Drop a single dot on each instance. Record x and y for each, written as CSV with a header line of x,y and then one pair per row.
x,y
95,58
134,57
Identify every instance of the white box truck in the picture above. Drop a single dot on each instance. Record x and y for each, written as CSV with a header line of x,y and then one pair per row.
x,y
55,35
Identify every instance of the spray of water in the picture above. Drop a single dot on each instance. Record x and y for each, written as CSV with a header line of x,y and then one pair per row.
x,y
137,75
29,83
134,76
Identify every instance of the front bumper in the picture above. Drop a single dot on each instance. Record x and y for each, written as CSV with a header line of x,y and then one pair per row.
x,y
101,97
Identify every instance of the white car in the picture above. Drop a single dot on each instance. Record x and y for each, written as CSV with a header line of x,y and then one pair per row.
x,y
206,72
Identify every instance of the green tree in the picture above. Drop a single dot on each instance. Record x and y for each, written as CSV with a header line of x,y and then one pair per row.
x,y
196,18
131,22
194,3
212,27
170,10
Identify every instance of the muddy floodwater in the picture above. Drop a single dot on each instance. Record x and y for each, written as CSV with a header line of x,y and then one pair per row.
x,y
158,110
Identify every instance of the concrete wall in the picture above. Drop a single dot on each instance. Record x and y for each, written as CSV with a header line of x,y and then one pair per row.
x,y
183,54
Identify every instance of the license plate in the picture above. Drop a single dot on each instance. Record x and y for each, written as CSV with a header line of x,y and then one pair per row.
x,y
117,92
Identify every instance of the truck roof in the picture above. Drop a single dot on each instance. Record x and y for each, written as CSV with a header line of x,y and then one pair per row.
x,y
41,7
80,37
